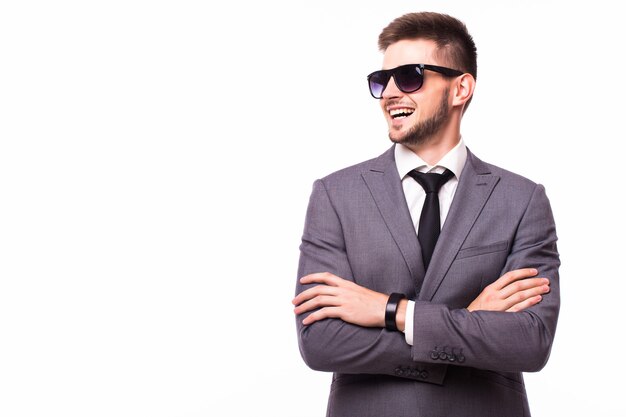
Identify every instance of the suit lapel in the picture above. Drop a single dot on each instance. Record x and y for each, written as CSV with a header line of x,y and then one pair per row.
x,y
384,184
475,187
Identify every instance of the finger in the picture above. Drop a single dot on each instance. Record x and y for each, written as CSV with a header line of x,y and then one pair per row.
x,y
314,292
523,284
513,276
321,278
521,296
525,304
317,302
321,314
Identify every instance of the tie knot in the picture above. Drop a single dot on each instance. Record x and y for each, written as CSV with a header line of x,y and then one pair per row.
x,y
431,182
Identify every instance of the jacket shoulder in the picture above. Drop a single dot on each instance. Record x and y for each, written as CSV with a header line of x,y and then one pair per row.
x,y
508,178
351,174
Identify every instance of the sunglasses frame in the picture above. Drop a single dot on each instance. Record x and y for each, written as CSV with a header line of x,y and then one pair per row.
x,y
448,72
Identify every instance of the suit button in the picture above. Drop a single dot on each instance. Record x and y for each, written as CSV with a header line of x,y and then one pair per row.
x,y
460,358
424,374
443,356
398,371
434,354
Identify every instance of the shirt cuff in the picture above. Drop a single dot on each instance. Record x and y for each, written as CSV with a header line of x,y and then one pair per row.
x,y
408,322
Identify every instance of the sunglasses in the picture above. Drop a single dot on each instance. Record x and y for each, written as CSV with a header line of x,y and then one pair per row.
x,y
408,78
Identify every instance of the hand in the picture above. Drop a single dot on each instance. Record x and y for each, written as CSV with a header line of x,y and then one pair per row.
x,y
512,292
342,299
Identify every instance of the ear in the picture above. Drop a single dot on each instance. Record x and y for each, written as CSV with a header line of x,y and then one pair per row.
x,y
463,89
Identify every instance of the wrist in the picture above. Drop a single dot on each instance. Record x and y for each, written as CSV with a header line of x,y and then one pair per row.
x,y
391,310
401,314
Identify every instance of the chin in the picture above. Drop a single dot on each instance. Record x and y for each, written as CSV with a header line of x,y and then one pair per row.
x,y
398,136
398,139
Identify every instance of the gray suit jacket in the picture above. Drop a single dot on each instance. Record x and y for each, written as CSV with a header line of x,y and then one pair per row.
x,y
461,364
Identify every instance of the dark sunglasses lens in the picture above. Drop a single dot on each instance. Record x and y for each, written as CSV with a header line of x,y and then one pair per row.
x,y
409,78
378,81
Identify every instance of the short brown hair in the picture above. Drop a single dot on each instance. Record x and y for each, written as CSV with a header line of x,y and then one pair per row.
x,y
455,45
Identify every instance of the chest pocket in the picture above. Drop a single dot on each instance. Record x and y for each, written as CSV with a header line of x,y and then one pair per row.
x,y
483,250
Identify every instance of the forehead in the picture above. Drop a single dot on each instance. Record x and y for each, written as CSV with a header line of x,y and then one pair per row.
x,y
410,51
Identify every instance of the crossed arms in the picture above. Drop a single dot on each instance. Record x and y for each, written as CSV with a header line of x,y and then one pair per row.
x,y
509,326
341,299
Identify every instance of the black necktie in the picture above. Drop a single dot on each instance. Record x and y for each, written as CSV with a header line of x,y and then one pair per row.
x,y
429,226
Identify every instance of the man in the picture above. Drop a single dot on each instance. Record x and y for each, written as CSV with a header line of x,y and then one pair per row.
x,y
410,315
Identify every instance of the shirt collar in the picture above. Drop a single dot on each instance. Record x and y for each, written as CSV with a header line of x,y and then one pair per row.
x,y
407,160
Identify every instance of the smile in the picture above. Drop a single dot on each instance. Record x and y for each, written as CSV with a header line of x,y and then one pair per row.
x,y
401,112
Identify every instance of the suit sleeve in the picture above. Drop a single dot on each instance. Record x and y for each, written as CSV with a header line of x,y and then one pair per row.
x,y
332,344
500,341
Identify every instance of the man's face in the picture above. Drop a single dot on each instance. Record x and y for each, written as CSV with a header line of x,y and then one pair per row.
x,y
415,118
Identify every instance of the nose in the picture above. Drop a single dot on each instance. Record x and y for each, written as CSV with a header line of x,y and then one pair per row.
x,y
391,90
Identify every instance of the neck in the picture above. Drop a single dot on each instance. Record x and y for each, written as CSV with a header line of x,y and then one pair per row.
x,y
438,146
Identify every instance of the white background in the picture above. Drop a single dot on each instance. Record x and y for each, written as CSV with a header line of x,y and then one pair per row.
x,y
156,159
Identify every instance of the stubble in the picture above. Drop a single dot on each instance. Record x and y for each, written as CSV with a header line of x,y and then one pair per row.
x,y
424,131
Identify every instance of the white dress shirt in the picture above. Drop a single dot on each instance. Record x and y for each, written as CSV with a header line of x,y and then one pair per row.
x,y
406,161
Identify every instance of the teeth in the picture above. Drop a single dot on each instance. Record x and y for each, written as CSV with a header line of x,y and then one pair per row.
x,y
401,112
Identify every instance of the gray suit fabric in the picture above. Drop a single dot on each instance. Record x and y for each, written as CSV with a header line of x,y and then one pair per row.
x,y
461,364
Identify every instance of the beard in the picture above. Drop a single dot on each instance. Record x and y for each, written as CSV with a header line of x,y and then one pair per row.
x,y
423,131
